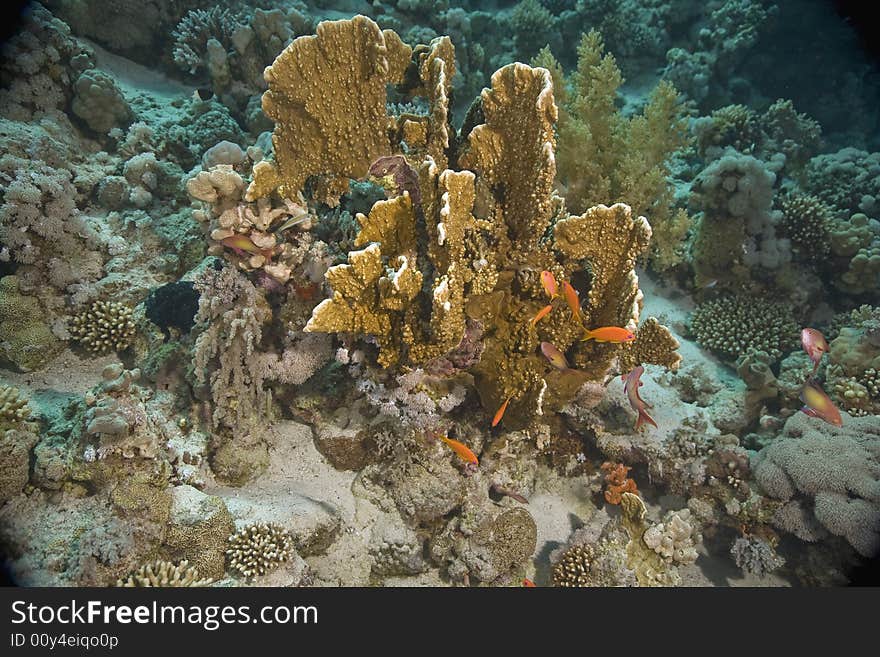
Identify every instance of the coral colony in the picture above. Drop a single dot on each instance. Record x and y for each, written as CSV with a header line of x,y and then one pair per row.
x,y
332,293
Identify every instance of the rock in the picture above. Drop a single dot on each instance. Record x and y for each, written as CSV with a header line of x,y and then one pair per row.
x,y
15,449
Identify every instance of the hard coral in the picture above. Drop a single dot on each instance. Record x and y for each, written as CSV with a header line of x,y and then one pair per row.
x,y
617,481
164,574
734,325
258,548
14,410
104,327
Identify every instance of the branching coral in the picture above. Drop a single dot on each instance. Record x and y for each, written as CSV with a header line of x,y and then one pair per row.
x,y
164,574
806,221
14,410
258,548
104,327
755,556
733,326
607,158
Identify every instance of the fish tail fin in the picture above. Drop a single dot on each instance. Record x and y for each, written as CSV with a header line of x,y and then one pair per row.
x,y
644,418
588,335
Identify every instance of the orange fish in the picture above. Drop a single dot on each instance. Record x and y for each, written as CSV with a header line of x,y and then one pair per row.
x,y
528,583
242,244
631,386
541,314
556,357
571,297
818,404
500,413
549,284
463,451
609,334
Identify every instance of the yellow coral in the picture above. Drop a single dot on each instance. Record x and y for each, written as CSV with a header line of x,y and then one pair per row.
x,y
334,135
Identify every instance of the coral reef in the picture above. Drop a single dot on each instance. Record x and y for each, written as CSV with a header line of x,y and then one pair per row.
x,y
755,556
103,327
164,573
827,476
255,549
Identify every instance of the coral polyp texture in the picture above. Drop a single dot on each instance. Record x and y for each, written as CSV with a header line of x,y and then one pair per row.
x,y
103,327
164,574
444,293
258,548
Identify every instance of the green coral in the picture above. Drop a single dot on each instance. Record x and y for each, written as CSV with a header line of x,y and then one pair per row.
x,y
607,158
736,325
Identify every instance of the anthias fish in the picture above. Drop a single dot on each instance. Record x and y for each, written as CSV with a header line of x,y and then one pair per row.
x,y
631,384
609,334
462,450
556,357
528,583
815,345
818,404
541,314
500,412
572,299
548,282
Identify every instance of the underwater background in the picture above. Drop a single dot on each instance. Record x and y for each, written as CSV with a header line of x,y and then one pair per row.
x,y
432,293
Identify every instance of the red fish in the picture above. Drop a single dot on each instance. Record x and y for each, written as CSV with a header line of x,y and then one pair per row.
x,y
528,583
609,334
541,314
462,450
572,299
631,385
242,244
815,345
818,404
548,282
500,413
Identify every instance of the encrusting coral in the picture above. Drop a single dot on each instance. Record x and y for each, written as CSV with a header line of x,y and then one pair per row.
x,y
258,548
164,574
103,327
431,255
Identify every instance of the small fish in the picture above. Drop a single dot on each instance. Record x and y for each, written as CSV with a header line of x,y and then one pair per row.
x,y
528,583
708,285
556,357
815,345
631,386
541,314
572,299
500,413
293,221
242,244
462,450
548,282
609,334
818,404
